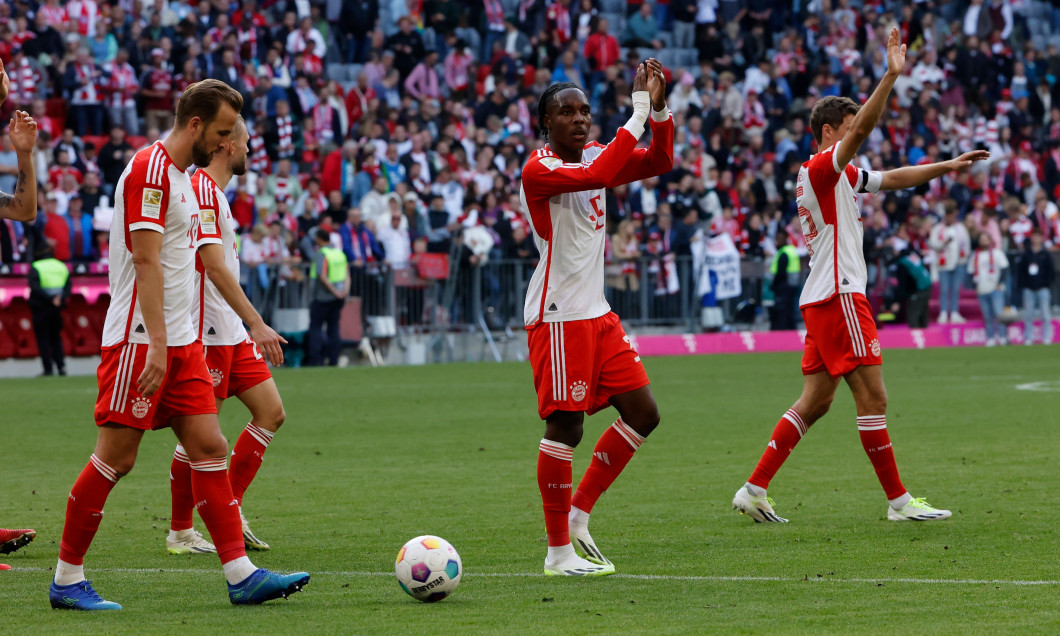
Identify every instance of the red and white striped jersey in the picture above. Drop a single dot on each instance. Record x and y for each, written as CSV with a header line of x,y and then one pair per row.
x,y
152,194
564,203
216,323
832,226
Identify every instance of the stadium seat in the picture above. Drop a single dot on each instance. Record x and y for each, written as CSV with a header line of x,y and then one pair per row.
x,y
136,141
351,324
84,338
18,320
7,342
96,140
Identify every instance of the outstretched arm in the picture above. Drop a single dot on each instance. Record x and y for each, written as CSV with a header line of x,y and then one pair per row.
x,y
913,176
21,205
870,112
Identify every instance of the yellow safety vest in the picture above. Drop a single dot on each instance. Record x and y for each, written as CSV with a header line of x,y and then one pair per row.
x,y
336,265
53,274
794,265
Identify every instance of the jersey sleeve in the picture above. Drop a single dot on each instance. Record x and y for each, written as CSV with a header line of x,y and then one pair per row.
x,y
145,203
822,170
863,181
656,159
205,226
547,175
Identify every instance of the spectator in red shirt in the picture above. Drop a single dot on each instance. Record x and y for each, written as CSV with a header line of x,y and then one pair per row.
x,y
601,48
157,89
54,228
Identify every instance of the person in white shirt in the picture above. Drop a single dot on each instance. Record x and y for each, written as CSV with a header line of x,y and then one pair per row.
x,y
952,245
987,268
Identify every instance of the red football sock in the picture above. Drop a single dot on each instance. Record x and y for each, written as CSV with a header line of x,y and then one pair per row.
x,y
786,434
554,481
180,491
877,443
84,509
247,455
217,507
613,451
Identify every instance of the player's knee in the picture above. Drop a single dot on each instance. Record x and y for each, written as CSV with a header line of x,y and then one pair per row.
x,y
817,410
272,419
565,428
646,422
123,465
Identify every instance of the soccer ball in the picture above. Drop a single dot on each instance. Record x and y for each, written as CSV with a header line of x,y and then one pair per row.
x,y
428,568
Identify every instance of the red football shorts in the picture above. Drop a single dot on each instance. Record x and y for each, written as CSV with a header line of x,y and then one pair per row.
x,y
840,336
235,368
186,388
579,365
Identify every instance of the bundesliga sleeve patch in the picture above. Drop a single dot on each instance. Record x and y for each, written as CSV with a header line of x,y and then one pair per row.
x,y
208,221
552,162
152,203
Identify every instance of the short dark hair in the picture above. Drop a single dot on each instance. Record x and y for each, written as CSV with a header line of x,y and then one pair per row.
x,y
323,235
542,104
831,110
203,100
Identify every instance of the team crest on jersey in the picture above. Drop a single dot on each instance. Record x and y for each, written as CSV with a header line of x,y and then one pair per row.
x,y
208,221
152,203
875,346
140,407
217,376
552,162
577,390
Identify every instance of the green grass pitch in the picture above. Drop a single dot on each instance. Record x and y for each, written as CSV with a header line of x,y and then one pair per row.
x,y
370,458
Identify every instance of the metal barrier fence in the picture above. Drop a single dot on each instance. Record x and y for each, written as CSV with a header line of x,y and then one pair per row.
x,y
487,298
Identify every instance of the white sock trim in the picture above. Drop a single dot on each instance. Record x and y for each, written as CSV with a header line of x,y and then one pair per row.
x,y
872,422
556,449
237,570
68,573
263,436
109,473
634,438
180,454
900,501
578,516
213,464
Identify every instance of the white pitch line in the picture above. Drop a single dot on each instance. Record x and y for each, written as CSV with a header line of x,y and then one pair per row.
x,y
637,577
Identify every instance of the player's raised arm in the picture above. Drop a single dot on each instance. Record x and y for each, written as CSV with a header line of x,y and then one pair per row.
x,y
146,248
658,158
564,114
870,112
21,205
913,176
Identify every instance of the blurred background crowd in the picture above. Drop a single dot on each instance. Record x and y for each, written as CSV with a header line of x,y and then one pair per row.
x,y
401,126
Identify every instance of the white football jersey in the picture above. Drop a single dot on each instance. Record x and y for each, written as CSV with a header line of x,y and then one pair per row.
x,y
565,205
152,194
215,322
832,226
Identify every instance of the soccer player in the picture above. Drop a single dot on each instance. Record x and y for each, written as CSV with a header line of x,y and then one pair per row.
x,y
233,359
841,340
153,372
581,357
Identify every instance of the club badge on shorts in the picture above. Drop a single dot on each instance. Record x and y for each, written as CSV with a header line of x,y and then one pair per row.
x,y
577,390
140,407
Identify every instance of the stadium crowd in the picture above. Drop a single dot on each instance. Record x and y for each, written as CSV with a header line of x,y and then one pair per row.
x,y
398,124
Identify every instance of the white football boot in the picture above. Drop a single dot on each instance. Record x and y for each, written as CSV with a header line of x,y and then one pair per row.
x,y
758,508
568,563
917,510
188,542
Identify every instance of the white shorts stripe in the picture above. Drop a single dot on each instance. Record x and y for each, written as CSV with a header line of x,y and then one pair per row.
x,y
555,360
117,399
853,326
562,362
